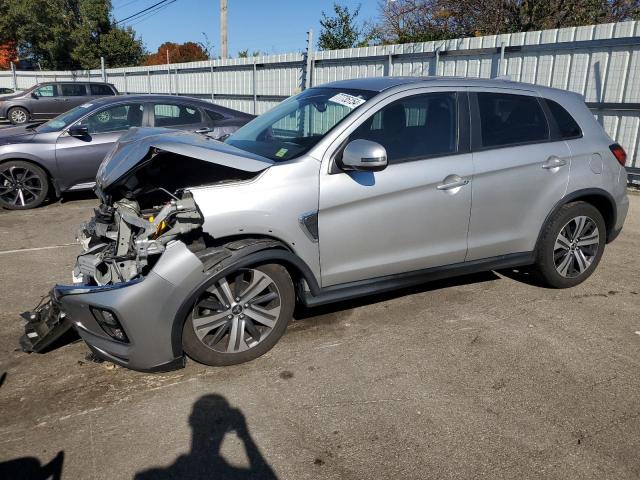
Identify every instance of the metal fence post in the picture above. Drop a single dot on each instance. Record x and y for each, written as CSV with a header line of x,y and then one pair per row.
x,y
126,88
211,80
390,64
309,61
13,74
103,69
501,60
255,93
148,80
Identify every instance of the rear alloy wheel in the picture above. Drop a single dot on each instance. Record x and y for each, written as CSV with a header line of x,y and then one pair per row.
x,y
18,116
23,185
571,245
240,317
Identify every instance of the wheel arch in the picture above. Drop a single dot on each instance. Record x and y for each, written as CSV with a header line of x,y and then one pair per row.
x,y
601,199
240,253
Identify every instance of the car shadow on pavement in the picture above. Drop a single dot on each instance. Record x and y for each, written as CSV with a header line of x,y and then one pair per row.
x,y
80,195
303,312
211,419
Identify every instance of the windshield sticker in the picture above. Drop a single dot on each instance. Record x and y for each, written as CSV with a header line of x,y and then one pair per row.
x,y
347,100
281,153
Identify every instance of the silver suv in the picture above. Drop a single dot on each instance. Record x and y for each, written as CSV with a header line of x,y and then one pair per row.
x,y
345,190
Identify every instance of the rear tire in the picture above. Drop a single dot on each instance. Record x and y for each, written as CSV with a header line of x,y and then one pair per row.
x,y
23,185
571,245
18,115
240,317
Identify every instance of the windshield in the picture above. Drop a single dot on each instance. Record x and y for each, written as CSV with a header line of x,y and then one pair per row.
x,y
298,123
63,121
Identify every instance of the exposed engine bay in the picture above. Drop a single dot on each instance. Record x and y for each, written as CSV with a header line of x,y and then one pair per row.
x,y
125,237
122,241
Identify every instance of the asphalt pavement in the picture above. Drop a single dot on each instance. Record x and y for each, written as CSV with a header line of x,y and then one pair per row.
x,y
485,376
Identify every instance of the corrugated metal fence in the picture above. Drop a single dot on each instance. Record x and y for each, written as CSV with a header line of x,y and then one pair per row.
x,y
601,62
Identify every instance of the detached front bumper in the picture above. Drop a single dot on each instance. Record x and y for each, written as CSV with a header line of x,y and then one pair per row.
x,y
144,309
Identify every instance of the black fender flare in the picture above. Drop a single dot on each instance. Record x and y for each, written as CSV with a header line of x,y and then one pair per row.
x,y
577,195
220,261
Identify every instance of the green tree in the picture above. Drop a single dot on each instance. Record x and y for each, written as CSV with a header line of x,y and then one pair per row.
x,y
67,34
341,30
404,21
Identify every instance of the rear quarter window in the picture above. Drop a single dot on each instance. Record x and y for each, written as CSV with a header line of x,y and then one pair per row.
x,y
567,126
508,119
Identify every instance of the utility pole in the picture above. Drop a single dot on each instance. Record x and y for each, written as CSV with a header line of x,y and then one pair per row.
x,y
224,49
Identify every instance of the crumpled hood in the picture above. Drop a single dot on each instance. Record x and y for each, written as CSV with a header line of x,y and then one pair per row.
x,y
134,147
20,134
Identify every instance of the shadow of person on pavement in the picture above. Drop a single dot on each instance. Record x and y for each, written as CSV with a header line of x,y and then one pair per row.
x,y
211,419
29,468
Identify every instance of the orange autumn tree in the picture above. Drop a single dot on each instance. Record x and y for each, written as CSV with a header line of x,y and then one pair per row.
x,y
178,53
8,54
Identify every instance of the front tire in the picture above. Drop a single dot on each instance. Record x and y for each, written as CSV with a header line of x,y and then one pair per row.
x,y
18,115
240,317
571,245
23,185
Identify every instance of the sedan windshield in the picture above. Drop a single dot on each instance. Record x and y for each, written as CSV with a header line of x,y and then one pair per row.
x,y
63,121
297,124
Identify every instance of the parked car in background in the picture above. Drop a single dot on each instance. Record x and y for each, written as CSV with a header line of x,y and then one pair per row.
x,y
64,153
345,190
6,91
47,100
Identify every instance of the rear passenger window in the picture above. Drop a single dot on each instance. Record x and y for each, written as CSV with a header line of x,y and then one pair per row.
x,y
171,115
73,90
97,89
414,127
507,119
566,124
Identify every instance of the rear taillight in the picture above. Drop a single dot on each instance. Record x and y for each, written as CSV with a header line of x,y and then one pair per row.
x,y
619,153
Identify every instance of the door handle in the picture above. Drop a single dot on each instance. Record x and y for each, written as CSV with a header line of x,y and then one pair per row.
x,y
203,130
554,162
451,182
61,99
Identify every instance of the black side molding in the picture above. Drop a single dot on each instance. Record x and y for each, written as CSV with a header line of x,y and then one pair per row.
x,y
348,291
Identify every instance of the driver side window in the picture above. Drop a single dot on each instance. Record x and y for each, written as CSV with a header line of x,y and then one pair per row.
x,y
415,127
114,119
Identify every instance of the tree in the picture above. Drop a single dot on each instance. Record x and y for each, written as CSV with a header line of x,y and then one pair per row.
x,y
245,53
178,53
341,30
403,21
8,54
67,34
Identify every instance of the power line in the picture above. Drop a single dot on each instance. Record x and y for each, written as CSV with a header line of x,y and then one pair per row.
x,y
161,2
144,17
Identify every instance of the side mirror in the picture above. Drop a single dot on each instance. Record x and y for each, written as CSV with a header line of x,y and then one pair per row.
x,y
363,155
79,131
34,95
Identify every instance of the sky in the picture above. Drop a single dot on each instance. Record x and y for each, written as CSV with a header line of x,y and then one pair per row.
x,y
271,26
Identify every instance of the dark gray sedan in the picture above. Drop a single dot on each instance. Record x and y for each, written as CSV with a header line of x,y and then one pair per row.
x,y
42,160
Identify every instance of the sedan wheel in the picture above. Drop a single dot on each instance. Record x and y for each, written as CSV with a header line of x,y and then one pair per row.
x,y
22,185
240,316
576,246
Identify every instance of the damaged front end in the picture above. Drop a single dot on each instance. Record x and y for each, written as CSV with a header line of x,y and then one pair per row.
x,y
139,258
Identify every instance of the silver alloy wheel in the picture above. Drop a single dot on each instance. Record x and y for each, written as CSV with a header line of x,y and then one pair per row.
x,y
576,246
18,116
237,312
19,186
